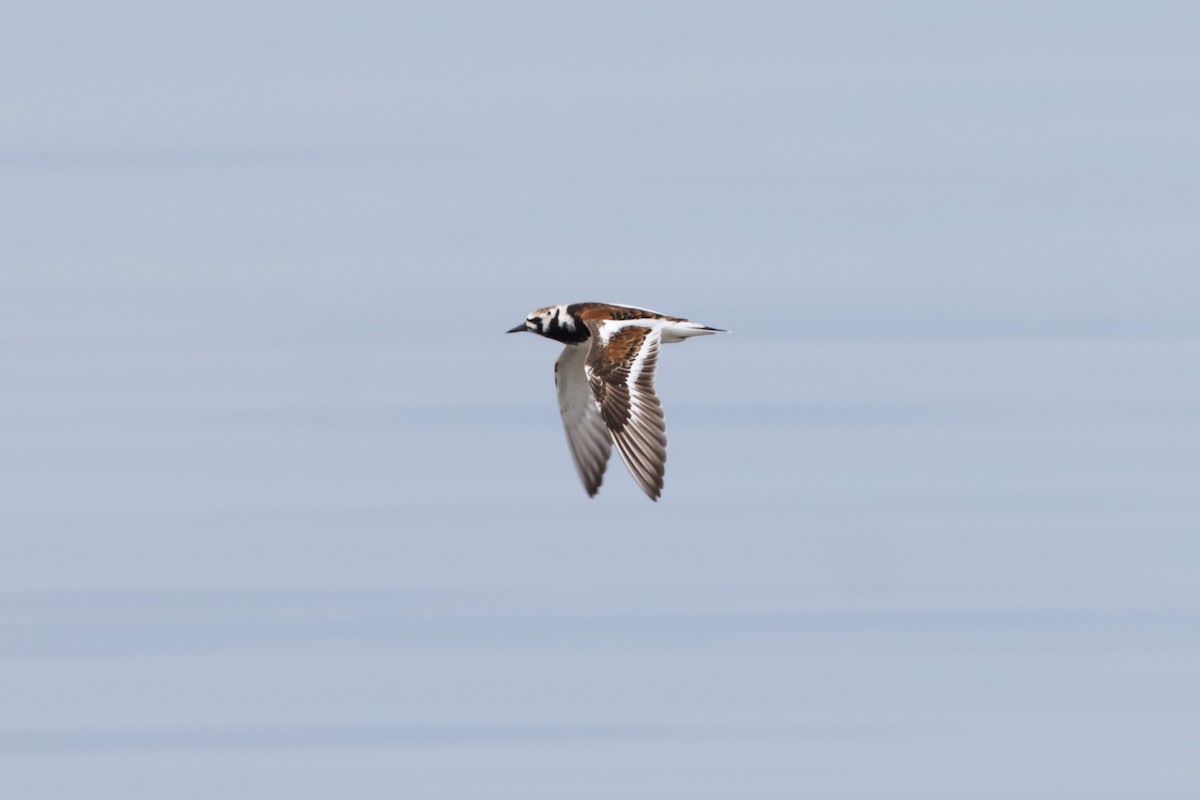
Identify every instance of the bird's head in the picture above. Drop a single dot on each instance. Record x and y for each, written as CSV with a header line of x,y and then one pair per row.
x,y
549,321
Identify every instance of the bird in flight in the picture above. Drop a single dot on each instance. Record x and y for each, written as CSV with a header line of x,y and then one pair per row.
x,y
605,380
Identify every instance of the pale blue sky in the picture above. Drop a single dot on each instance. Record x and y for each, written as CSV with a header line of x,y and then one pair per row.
x,y
284,514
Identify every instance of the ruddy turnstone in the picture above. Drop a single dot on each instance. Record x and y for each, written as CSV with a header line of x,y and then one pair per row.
x,y
605,380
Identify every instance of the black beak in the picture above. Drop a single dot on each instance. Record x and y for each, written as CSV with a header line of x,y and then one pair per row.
x,y
519,329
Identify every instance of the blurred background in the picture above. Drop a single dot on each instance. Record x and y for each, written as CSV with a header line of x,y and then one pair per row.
x,y
284,514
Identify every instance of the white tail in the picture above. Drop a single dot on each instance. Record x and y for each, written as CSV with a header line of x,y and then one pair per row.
x,y
678,331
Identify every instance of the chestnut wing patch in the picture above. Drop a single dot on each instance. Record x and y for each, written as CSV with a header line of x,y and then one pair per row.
x,y
620,369
599,312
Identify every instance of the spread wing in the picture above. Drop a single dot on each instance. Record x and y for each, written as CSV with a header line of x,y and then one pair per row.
x,y
620,368
586,432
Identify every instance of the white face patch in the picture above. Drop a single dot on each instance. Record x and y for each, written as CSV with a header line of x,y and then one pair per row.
x,y
550,318
540,319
